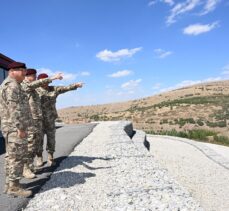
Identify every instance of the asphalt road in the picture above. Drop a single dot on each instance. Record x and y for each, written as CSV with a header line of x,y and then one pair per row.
x,y
67,138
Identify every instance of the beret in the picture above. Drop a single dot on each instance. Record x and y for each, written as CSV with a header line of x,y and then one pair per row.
x,y
42,75
31,71
14,65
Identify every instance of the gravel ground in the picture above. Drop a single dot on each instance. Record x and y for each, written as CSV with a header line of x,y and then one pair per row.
x,y
107,171
204,178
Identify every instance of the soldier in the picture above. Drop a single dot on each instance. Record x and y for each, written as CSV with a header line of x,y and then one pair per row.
x,y
48,95
35,133
15,119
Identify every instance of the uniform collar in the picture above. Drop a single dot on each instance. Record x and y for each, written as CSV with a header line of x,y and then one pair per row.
x,y
12,79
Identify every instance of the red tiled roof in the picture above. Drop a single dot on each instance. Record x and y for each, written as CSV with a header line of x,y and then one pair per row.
x,y
4,61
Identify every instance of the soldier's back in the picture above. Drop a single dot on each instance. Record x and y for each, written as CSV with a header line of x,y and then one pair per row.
x,y
33,99
48,103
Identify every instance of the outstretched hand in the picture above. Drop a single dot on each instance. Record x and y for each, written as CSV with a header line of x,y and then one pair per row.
x,y
58,76
79,85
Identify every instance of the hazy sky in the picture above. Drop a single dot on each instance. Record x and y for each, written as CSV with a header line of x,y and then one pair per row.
x,y
121,49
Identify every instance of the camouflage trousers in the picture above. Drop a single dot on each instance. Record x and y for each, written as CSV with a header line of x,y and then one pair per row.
x,y
49,129
15,157
35,141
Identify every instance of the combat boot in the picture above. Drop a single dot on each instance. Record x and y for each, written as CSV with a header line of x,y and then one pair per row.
x,y
39,162
15,189
51,161
27,173
33,169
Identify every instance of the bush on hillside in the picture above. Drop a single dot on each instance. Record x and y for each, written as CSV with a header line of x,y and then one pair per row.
x,y
201,135
200,122
221,140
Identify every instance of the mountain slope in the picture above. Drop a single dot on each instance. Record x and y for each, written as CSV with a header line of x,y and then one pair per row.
x,y
203,106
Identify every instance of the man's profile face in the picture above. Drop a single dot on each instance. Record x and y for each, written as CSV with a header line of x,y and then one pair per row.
x,y
31,78
19,74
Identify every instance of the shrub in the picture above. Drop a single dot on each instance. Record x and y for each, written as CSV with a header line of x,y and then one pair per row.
x,y
217,124
191,121
200,122
164,121
191,134
200,134
181,122
95,117
221,140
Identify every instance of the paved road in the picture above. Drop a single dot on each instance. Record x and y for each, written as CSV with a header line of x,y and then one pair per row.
x,y
196,168
67,138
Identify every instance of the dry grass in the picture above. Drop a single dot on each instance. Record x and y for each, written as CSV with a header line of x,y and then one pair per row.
x,y
203,106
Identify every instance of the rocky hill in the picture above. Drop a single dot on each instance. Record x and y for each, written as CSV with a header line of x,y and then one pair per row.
x,y
204,106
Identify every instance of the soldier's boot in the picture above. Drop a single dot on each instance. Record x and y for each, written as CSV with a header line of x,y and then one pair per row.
x,y
39,162
15,189
6,187
27,173
33,168
51,161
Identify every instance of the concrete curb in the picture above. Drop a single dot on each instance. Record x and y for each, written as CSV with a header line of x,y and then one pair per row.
x,y
138,137
208,152
140,141
128,128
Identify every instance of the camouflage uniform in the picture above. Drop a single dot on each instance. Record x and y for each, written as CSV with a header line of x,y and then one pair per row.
x,y
15,115
35,132
48,104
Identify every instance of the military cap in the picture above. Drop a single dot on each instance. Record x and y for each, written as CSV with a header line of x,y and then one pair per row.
x,y
42,75
15,65
31,71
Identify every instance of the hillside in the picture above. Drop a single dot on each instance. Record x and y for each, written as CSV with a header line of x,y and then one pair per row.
x,y
203,106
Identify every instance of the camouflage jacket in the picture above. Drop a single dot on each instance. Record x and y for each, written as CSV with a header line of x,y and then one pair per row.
x,y
48,100
14,106
33,96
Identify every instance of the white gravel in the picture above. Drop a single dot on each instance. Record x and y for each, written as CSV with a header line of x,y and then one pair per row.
x,y
107,171
207,180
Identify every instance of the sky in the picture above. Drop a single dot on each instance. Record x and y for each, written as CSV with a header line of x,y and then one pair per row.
x,y
120,49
